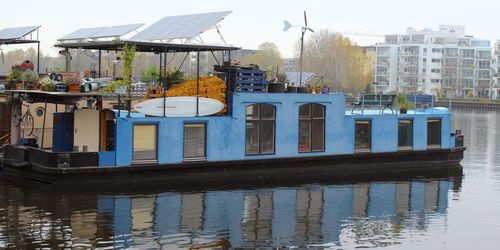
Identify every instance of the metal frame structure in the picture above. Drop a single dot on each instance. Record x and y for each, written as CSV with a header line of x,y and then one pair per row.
x,y
22,38
154,47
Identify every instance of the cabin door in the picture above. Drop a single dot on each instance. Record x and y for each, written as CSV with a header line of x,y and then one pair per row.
x,y
107,142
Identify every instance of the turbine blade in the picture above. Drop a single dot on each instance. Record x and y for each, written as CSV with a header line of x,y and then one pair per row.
x,y
305,18
287,25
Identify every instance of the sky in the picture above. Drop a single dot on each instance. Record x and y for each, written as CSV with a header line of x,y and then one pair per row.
x,y
254,22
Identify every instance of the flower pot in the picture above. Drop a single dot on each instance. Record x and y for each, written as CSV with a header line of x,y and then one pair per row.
x,y
19,85
29,85
120,90
402,110
301,90
291,89
325,90
61,87
276,88
49,88
74,87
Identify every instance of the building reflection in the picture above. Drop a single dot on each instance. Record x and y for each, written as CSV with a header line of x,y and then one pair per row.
x,y
370,213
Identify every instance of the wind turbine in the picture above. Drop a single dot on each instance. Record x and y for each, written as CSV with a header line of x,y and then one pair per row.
x,y
305,28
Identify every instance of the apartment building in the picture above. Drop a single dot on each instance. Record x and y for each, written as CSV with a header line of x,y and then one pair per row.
x,y
445,62
496,72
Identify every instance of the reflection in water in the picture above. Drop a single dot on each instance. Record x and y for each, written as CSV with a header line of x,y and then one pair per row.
x,y
355,215
362,214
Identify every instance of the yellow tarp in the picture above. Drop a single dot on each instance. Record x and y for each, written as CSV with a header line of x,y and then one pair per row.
x,y
210,87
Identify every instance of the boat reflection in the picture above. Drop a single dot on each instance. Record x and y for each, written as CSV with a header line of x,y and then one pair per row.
x,y
362,214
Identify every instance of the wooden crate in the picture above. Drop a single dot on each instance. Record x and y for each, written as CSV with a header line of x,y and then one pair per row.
x,y
251,80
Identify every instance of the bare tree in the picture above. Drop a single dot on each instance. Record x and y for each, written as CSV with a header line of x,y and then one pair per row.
x,y
268,58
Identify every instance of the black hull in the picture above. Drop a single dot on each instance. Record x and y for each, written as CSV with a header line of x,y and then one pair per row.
x,y
362,166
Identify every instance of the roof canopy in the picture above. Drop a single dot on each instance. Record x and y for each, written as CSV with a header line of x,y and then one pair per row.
x,y
18,35
155,47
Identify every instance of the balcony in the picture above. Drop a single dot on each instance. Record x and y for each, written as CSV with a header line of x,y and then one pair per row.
x,y
383,64
450,55
409,54
448,85
383,83
484,84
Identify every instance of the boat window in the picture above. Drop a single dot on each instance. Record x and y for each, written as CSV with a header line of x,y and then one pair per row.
x,y
434,133
145,142
195,141
362,136
260,129
405,134
311,128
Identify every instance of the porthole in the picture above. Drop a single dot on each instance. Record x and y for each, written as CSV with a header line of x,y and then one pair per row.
x,y
39,112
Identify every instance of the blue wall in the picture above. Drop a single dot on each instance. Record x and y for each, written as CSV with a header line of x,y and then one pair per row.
x,y
226,135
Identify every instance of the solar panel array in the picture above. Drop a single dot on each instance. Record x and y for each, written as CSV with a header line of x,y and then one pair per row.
x,y
294,76
178,27
16,33
101,32
119,30
82,33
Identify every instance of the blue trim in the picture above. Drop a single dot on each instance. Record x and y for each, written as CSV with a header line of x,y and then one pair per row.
x,y
107,158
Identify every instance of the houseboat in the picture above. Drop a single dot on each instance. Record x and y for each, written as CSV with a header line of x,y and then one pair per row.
x,y
259,136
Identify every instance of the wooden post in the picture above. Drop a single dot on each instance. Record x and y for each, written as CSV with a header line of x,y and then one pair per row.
x,y
43,126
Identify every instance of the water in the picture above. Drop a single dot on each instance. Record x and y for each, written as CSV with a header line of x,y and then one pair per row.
x,y
453,212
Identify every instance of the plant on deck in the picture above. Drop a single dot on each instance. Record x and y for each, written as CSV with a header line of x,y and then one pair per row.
x,y
402,102
128,60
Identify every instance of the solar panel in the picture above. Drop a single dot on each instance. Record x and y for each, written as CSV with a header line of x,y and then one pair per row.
x,y
82,33
294,76
16,33
177,27
116,31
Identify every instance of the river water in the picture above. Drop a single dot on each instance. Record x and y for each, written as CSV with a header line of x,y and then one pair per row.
x,y
448,212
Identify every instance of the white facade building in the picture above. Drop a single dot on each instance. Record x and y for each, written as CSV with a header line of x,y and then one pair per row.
x,y
496,72
445,62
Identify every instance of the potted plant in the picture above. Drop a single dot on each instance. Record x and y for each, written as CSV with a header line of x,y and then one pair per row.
x,y
47,85
291,88
73,83
15,79
119,87
30,79
325,89
278,84
309,89
403,103
301,89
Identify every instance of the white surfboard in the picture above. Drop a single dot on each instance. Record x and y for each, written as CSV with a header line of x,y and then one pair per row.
x,y
179,106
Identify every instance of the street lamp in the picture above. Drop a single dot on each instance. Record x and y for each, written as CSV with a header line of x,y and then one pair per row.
x,y
304,27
